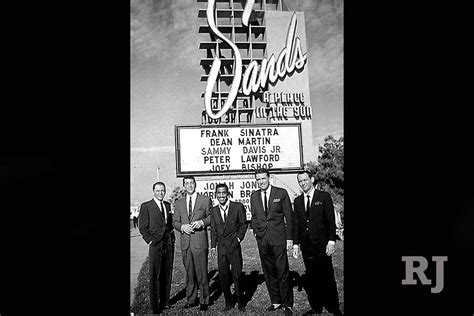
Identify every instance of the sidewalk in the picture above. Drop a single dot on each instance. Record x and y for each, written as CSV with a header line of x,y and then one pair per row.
x,y
138,254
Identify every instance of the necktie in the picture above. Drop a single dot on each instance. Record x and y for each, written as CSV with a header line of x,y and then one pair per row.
x,y
225,214
308,206
190,214
162,210
265,202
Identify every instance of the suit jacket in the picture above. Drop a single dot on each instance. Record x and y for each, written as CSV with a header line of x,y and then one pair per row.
x,y
321,227
279,210
225,234
201,211
152,224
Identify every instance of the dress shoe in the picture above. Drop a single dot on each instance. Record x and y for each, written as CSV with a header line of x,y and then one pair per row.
x,y
190,305
203,307
272,308
288,310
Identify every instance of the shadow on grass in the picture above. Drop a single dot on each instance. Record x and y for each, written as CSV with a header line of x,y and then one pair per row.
x,y
214,289
250,283
297,280
178,296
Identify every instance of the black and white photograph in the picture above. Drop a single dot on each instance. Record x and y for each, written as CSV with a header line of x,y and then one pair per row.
x,y
237,116
230,137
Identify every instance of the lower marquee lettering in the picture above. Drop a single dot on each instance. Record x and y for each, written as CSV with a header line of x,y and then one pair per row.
x,y
246,193
211,186
249,185
211,194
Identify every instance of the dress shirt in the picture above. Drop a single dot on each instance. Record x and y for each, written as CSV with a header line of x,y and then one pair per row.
x,y
268,196
193,201
158,202
225,208
311,194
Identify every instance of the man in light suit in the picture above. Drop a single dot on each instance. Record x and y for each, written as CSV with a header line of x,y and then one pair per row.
x,y
191,218
271,207
156,228
228,227
315,232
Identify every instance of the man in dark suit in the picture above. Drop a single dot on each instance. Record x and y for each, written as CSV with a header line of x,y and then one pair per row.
x,y
228,227
191,218
156,227
271,207
315,232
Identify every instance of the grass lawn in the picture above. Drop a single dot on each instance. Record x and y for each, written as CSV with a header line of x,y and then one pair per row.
x,y
256,293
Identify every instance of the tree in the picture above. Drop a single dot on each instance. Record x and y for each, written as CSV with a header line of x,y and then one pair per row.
x,y
329,170
176,194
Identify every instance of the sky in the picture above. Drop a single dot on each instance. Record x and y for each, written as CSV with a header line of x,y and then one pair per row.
x,y
166,88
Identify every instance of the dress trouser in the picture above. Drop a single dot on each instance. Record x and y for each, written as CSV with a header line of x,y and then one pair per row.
x,y
230,269
321,285
161,256
195,264
276,272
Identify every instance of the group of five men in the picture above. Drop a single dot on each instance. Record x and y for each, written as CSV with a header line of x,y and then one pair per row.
x,y
309,230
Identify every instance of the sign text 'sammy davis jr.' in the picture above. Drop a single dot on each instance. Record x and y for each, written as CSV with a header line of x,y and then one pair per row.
x,y
238,149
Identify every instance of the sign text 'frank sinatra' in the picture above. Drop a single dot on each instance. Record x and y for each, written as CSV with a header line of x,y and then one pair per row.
x,y
238,149
255,77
